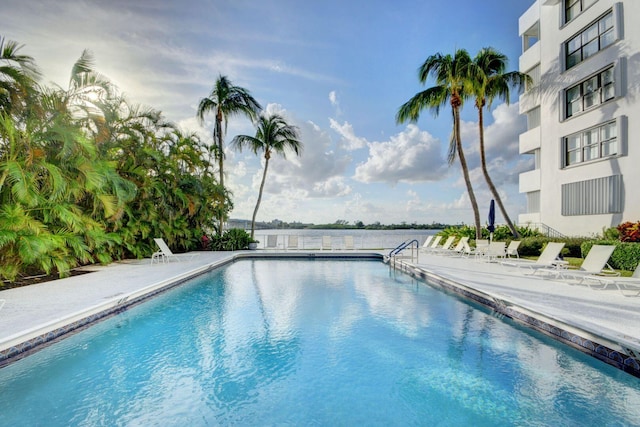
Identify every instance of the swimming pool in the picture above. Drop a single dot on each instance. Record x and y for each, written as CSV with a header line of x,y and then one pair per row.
x,y
324,342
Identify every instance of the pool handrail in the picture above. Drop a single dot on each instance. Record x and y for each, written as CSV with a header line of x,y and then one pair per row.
x,y
402,246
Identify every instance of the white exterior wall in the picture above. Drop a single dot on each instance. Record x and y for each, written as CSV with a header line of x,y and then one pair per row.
x,y
624,54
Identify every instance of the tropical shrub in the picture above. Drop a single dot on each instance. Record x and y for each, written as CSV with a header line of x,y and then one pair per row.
x,y
611,233
232,240
460,231
629,231
532,246
87,177
573,246
502,233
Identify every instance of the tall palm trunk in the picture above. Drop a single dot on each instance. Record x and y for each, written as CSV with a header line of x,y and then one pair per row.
x,y
220,154
267,156
483,161
465,169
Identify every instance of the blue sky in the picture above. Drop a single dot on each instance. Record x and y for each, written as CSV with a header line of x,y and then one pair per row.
x,y
338,70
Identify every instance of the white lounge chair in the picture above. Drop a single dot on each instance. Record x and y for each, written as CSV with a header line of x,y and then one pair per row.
x,y
292,242
548,259
460,247
623,284
494,251
348,243
595,263
482,246
427,242
434,244
2,303
166,255
272,241
466,251
512,249
326,243
446,245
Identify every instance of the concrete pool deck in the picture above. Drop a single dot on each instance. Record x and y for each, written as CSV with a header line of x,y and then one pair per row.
x,y
30,313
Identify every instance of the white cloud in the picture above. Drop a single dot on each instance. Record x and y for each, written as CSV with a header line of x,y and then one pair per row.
x,y
410,156
500,137
318,173
351,141
332,187
333,98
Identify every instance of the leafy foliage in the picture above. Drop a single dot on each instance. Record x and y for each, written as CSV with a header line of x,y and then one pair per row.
x,y
225,100
629,231
451,76
501,233
273,136
611,233
232,240
87,177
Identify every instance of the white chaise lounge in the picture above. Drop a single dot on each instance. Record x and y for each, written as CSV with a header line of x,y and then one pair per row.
x,y
594,264
292,242
446,246
548,259
628,286
272,241
326,243
166,255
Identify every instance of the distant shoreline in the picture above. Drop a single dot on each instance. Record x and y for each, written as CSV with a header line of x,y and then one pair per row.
x,y
341,225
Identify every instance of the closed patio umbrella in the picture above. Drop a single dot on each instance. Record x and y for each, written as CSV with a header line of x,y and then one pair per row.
x,y
492,219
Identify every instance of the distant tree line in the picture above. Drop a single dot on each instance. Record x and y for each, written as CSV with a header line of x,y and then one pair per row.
x,y
338,225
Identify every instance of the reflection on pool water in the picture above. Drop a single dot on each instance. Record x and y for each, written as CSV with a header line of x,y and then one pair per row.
x,y
312,342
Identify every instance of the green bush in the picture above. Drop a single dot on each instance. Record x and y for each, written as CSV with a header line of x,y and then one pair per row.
x,y
501,233
532,246
626,256
573,246
611,233
232,240
459,232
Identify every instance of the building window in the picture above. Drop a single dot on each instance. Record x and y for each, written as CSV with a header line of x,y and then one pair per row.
x,y
533,202
534,73
594,143
593,197
591,92
590,41
533,118
573,8
531,36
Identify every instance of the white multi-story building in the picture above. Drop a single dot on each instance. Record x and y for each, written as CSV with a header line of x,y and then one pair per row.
x,y
583,114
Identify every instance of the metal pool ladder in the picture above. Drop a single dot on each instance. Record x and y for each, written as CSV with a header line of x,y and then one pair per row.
x,y
398,250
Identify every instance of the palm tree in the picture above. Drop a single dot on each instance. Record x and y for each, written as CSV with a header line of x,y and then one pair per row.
x,y
488,80
273,135
226,100
450,73
18,77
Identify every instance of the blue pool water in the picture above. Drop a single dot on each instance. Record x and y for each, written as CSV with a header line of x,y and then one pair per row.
x,y
312,343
